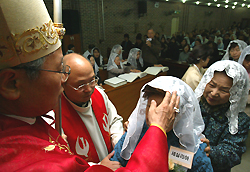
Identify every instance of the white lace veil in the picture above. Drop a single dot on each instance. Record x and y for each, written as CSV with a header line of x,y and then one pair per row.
x,y
111,62
133,55
116,48
243,55
101,57
95,66
241,44
200,37
238,91
188,125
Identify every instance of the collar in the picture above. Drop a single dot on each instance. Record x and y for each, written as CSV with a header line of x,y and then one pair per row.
x,y
29,120
84,108
197,69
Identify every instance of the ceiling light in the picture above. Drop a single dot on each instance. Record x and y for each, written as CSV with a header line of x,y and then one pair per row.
x,y
197,2
226,1
184,1
243,5
208,4
235,3
215,0
248,6
233,7
218,5
226,6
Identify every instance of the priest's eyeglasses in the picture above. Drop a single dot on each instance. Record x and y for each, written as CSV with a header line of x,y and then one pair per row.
x,y
84,86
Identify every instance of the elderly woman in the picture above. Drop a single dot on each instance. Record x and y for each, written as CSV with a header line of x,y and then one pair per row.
x,y
95,67
135,59
234,50
118,50
245,59
198,59
222,93
185,131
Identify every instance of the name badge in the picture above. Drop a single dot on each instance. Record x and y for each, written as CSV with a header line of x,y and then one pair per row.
x,y
181,157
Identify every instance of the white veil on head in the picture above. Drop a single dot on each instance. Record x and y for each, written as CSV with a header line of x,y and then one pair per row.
x,y
238,92
241,44
243,55
101,57
116,48
188,125
133,55
95,66
111,62
200,37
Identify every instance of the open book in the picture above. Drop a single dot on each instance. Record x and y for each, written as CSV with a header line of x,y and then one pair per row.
x,y
115,82
130,77
156,70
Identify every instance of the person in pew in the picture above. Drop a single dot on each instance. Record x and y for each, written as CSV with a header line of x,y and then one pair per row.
x,y
135,60
185,54
222,93
173,50
245,59
198,59
95,68
30,86
234,50
97,55
220,43
71,49
215,55
117,49
115,66
185,132
88,116
88,52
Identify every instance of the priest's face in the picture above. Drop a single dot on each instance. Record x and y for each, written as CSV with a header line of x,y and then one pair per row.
x,y
79,87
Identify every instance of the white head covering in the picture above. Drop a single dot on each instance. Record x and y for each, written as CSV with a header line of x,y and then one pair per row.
x,y
243,55
111,62
101,57
187,39
95,66
116,48
200,37
188,124
133,55
241,44
221,41
238,91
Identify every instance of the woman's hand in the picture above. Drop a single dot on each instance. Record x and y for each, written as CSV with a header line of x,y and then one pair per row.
x,y
135,70
208,148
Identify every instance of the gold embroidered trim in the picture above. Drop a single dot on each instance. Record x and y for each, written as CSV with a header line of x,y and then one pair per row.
x,y
33,40
55,143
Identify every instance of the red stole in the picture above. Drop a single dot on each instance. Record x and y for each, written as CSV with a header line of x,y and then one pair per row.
x,y
79,139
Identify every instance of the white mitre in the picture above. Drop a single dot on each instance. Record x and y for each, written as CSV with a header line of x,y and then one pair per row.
x,y
27,32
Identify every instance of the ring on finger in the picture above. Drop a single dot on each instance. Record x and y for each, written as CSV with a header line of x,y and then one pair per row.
x,y
176,110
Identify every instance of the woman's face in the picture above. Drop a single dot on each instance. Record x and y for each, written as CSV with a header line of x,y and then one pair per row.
x,y
163,40
217,90
92,60
96,53
183,42
120,51
138,55
235,53
117,60
186,49
219,41
197,43
246,64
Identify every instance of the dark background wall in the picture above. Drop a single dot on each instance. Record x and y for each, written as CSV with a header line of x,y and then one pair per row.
x,y
121,16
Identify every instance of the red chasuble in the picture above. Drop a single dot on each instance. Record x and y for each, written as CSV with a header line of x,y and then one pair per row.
x,y
79,139
38,147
